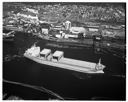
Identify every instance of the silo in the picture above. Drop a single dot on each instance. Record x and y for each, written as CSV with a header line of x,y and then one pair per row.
x,y
67,25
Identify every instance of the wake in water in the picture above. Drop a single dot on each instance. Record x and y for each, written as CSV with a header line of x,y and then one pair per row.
x,y
82,76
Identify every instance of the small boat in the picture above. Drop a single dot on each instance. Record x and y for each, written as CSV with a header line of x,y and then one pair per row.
x,y
57,59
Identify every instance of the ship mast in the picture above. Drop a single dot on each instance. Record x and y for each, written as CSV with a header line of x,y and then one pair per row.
x,y
99,62
99,65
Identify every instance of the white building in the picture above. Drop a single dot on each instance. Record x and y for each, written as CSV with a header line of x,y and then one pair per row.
x,y
44,30
28,15
30,10
75,30
67,25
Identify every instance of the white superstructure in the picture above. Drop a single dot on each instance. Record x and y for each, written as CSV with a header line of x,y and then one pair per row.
x,y
33,51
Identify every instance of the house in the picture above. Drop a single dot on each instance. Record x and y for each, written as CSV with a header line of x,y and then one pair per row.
x,y
30,10
28,15
45,27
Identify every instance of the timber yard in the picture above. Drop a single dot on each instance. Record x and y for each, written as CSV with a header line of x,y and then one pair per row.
x,y
64,51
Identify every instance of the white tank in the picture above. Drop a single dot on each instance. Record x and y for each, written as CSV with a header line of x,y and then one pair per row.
x,y
67,25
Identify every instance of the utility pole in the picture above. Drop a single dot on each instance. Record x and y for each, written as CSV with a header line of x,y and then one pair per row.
x,y
97,40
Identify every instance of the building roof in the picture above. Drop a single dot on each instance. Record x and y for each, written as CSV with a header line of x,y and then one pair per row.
x,y
45,51
58,53
77,30
45,25
28,13
68,22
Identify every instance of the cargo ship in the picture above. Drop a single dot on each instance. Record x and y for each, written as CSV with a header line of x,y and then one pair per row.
x,y
58,60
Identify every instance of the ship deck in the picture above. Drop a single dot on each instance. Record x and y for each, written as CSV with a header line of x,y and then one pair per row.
x,y
78,63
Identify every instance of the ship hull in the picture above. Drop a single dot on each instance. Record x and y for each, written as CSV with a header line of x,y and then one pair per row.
x,y
83,43
63,65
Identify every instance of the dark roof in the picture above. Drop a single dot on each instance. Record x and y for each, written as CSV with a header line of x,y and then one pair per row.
x,y
45,25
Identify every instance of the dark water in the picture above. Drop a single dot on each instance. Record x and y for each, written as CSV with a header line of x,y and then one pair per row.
x,y
68,84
